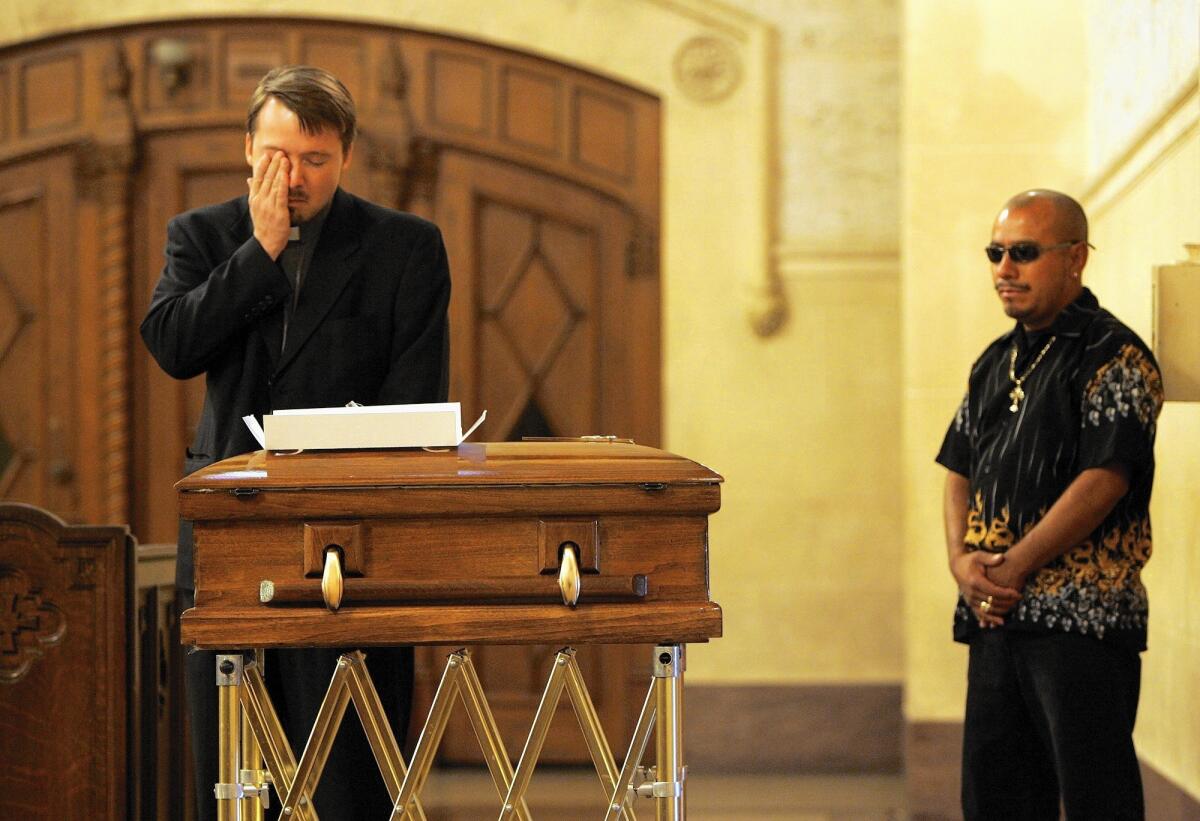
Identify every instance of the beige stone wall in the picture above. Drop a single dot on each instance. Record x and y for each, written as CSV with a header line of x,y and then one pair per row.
x,y
1140,55
807,550
1143,226
791,176
992,105
1144,203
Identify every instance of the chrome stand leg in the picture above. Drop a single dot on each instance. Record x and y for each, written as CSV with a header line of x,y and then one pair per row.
x,y
229,681
668,790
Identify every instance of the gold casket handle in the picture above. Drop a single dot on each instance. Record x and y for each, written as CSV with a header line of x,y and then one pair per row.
x,y
331,579
568,575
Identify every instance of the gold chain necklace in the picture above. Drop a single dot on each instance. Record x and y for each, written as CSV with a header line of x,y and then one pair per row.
x,y
1018,393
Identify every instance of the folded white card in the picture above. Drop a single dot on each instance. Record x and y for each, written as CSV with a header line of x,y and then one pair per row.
x,y
431,425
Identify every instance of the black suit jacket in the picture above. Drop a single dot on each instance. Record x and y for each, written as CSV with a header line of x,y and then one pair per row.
x,y
370,325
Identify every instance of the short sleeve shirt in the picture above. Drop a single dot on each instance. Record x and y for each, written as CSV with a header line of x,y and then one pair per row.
x,y
1092,399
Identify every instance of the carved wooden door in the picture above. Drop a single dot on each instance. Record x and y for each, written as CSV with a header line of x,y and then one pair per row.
x,y
39,388
554,334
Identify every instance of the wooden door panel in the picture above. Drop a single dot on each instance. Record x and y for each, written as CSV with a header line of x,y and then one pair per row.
x,y
548,323
180,171
548,326
38,334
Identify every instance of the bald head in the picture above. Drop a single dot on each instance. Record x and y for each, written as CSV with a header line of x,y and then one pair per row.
x,y
1069,221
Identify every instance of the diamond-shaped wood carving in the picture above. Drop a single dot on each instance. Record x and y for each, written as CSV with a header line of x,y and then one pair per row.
x,y
11,462
6,451
13,319
531,318
531,423
537,315
13,316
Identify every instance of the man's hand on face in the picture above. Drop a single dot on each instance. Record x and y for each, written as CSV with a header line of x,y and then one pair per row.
x,y
269,202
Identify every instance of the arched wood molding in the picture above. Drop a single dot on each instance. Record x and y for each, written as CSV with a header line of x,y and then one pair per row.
x,y
727,56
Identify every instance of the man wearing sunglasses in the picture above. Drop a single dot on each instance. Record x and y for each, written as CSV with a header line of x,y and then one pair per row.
x,y
1050,462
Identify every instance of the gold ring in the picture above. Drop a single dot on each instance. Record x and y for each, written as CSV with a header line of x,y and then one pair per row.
x,y
985,606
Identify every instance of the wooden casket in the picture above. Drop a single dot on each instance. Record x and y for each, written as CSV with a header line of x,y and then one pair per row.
x,y
464,546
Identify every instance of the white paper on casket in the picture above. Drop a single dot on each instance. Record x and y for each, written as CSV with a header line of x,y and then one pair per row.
x,y
430,425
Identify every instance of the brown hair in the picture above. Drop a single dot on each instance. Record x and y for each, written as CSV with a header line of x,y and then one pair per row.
x,y
315,96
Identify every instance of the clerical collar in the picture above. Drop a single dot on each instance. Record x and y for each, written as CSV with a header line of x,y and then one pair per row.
x,y
307,232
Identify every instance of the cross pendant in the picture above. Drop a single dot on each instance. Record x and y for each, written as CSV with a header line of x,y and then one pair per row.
x,y
1016,395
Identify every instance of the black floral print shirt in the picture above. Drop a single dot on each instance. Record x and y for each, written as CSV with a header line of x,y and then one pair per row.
x,y
1093,399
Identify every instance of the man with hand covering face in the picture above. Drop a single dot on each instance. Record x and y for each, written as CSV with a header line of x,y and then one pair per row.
x,y
299,294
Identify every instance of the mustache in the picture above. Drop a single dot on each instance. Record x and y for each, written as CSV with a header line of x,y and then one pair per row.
x,y
298,194
1011,286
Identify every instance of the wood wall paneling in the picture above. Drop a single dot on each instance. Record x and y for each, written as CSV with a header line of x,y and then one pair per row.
x,y
603,133
37,307
389,93
459,92
605,169
178,72
531,109
248,55
51,92
345,55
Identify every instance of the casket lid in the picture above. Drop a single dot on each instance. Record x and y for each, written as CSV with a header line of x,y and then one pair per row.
x,y
493,463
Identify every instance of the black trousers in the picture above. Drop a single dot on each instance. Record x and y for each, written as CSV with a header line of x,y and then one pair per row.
x,y
351,787
1050,718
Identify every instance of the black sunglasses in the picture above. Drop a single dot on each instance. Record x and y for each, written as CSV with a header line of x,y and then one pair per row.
x,y
1022,252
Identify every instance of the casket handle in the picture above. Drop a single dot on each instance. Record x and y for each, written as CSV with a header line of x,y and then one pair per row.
x,y
568,575
490,591
331,578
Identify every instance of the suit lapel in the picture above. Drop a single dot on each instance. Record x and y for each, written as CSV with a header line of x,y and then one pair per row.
x,y
270,327
333,265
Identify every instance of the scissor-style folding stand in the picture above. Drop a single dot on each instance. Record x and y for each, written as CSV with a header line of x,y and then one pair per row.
x,y
254,747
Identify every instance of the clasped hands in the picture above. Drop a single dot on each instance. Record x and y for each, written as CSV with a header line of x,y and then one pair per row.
x,y
989,583
269,202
